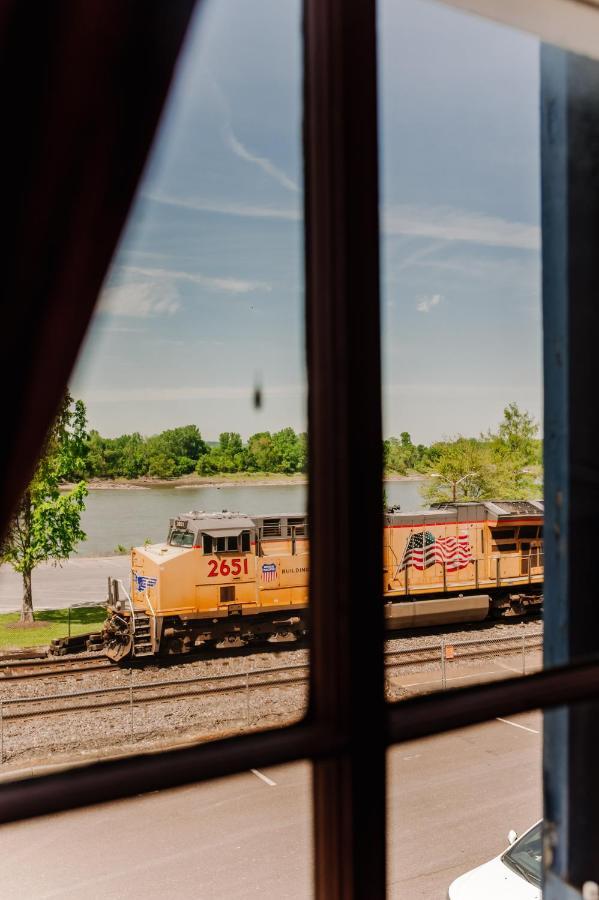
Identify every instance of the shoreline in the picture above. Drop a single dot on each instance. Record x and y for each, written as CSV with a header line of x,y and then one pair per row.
x,y
252,479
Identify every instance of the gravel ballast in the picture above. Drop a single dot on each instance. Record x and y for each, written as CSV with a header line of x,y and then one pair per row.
x,y
70,731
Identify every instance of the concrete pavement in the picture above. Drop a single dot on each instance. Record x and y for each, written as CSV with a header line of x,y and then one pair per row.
x,y
75,581
452,800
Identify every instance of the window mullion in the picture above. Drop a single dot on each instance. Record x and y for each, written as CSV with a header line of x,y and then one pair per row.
x,y
570,202
345,500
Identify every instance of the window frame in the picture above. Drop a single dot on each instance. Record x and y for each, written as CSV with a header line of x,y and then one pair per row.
x,y
347,676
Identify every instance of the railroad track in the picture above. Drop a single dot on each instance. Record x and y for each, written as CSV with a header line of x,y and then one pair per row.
x,y
16,667
22,669
151,692
476,648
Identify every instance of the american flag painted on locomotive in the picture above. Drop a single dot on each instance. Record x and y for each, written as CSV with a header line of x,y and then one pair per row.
x,y
269,571
424,549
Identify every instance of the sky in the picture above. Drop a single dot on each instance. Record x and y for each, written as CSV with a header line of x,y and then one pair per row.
x,y
204,299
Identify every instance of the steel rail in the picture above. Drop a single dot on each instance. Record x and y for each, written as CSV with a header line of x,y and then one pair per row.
x,y
138,701
150,685
36,662
64,673
242,683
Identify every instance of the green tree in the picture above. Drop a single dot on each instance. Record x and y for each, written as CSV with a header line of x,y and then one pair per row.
x,y
229,456
289,451
401,455
162,466
46,524
175,451
230,443
499,465
517,436
517,453
261,456
464,469
95,463
395,456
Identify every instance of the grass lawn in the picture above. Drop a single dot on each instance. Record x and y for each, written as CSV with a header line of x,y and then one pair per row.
x,y
49,624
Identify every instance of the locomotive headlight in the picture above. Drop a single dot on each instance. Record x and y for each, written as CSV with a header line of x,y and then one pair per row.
x,y
118,604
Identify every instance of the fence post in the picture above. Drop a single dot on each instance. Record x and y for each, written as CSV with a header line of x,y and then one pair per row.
x,y
443,672
247,699
69,621
131,698
1,734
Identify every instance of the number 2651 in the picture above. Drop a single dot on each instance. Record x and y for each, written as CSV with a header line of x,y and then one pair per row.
x,y
227,567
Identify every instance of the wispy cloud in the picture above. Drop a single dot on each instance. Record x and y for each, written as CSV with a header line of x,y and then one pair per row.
x,y
231,140
417,255
227,208
187,392
426,303
451,224
262,162
139,300
442,224
228,285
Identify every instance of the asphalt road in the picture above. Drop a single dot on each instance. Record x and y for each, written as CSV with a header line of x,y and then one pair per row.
x,y
75,581
452,800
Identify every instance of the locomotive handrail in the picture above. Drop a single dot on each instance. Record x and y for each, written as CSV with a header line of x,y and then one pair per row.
x,y
147,596
127,595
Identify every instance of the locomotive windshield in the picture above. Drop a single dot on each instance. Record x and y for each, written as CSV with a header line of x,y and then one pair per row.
x,y
180,538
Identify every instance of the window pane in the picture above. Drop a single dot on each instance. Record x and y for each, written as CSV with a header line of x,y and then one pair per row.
x,y
462,399
234,837
452,800
193,381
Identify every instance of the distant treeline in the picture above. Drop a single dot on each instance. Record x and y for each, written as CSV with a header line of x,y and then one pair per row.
x,y
181,451
502,463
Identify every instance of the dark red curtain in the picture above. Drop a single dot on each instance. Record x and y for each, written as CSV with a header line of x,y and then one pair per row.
x,y
83,83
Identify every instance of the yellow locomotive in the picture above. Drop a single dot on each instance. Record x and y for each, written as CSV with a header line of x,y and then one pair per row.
x,y
227,579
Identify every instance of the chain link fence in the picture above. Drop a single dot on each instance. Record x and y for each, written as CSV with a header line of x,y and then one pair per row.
x,y
131,709
446,663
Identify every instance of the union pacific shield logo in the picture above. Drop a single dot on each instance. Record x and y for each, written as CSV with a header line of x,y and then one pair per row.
x,y
269,571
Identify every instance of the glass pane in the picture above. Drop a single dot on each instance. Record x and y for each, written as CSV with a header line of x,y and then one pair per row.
x,y
248,835
462,397
452,801
194,557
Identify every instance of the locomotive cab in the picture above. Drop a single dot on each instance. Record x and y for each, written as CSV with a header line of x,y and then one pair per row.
x,y
204,572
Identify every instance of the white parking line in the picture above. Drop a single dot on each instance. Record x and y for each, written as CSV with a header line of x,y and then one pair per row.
x,y
263,778
505,666
449,678
517,725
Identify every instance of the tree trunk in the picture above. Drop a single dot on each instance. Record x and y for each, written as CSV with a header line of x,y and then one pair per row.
x,y
27,607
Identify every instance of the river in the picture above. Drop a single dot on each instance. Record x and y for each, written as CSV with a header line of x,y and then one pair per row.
x,y
129,517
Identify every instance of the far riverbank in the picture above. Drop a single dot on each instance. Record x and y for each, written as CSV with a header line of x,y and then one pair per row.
x,y
237,479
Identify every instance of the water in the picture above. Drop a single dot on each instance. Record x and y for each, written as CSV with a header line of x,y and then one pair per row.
x,y
129,517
